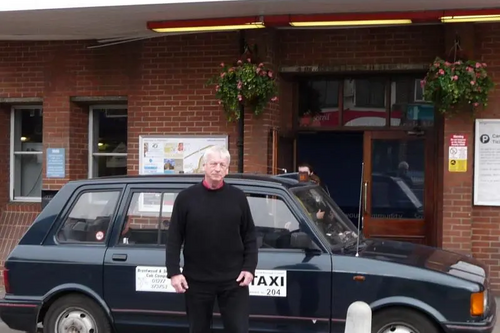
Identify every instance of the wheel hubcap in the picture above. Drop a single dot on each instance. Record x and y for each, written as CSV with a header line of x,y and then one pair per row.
x,y
75,321
398,328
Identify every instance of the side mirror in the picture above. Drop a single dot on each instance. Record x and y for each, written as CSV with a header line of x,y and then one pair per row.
x,y
300,240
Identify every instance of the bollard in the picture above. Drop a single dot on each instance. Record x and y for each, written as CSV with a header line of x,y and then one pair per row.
x,y
359,318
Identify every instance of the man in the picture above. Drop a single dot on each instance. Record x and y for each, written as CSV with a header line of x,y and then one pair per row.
x,y
304,167
213,221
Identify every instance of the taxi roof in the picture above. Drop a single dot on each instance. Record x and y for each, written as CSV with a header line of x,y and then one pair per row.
x,y
288,180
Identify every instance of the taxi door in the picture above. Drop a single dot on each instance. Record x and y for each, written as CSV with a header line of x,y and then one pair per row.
x,y
292,287
135,285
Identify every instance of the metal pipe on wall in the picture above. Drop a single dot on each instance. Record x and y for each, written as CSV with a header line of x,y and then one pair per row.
x,y
241,121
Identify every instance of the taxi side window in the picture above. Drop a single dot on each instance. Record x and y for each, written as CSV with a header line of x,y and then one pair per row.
x,y
147,220
274,221
89,219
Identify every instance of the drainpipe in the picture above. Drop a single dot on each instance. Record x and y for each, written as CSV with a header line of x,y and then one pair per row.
x,y
241,121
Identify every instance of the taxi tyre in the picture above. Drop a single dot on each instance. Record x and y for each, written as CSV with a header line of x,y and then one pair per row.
x,y
76,302
386,321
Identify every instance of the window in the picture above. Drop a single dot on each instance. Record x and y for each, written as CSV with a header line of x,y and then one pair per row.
x,y
321,98
107,141
407,105
26,156
273,220
364,102
90,218
368,100
368,93
146,221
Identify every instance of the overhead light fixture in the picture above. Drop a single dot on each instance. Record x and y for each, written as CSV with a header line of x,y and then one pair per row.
x,y
470,18
224,24
350,23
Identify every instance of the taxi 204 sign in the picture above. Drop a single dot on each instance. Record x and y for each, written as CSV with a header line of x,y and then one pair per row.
x,y
267,283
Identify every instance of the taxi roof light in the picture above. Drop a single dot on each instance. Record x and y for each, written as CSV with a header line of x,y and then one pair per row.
x,y
303,177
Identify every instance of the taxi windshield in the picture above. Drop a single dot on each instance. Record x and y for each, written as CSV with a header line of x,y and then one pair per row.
x,y
328,218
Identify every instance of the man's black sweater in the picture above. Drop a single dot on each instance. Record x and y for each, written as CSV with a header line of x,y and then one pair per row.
x,y
217,231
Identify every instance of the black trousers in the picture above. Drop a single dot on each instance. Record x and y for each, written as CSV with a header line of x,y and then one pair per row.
x,y
233,302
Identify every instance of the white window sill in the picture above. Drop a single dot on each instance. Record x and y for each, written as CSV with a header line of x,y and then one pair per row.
x,y
26,200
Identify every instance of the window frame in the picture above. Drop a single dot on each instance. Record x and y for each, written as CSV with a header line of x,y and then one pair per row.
x,y
129,196
74,199
344,79
355,94
295,210
13,153
93,109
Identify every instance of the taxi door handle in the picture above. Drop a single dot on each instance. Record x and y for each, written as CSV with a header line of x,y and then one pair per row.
x,y
119,257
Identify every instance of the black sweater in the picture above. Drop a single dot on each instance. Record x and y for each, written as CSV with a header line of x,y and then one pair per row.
x,y
217,231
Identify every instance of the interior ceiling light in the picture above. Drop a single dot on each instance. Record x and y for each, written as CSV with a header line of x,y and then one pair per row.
x,y
222,24
470,18
349,23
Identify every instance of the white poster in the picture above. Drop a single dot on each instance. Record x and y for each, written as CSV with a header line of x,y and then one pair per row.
x,y
172,155
266,283
175,154
487,162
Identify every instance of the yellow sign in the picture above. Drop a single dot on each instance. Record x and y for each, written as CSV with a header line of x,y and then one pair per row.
x,y
457,166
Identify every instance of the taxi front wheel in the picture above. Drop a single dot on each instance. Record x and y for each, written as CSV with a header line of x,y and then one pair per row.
x,y
75,313
400,320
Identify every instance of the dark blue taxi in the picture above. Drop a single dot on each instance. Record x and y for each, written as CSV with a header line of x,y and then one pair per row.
x,y
93,261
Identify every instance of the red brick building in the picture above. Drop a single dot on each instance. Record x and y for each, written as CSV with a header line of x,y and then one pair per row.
x,y
63,94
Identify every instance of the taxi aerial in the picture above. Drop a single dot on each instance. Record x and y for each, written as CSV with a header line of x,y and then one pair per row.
x,y
93,261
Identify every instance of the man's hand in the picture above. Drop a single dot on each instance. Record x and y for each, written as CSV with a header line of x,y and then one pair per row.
x,y
179,283
320,214
245,278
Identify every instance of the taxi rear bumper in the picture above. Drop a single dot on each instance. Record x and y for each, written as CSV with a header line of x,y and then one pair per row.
x,y
20,315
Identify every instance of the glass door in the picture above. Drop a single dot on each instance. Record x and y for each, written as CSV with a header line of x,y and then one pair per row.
x,y
395,178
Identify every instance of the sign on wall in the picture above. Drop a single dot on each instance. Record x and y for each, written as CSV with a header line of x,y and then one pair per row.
x,y
171,155
175,154
487,163
457,153
56,163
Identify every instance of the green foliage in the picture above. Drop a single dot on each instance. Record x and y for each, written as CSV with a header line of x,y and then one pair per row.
x,y
247,84
450,85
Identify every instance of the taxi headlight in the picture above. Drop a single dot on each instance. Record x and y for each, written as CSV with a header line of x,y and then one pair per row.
x,y
478,303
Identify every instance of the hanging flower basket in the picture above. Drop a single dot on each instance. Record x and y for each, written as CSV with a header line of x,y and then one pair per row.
x,y
246,83
452,85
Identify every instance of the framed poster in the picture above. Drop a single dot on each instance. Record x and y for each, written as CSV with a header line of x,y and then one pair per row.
x,y
487,162
161,154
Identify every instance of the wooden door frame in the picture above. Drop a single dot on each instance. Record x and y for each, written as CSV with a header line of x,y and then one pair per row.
x,y
429,225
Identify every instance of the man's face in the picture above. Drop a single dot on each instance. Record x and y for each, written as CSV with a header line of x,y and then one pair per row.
x,y
305,169
216,168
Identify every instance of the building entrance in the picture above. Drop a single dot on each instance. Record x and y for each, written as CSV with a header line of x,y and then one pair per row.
x,y
395,185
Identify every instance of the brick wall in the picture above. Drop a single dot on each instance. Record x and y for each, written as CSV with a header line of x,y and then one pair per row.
x,y
393,45
164,81
485,233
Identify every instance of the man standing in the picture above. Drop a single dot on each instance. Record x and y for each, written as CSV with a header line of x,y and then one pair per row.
x,y
304,167
213,221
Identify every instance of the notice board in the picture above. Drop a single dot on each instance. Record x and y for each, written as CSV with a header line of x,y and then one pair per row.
x,y
487,162
175,154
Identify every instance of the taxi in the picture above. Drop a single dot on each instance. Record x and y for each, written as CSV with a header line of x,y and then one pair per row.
x,y
94,261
